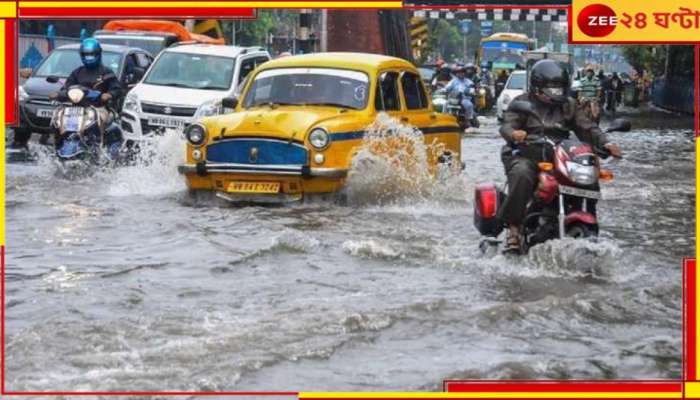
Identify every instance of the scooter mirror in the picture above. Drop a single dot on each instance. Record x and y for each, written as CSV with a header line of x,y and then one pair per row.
x,y
619,125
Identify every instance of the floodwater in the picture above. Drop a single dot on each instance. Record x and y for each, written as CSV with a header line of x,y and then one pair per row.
x,y
120,281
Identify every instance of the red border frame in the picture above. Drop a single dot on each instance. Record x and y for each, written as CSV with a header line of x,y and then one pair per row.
x,y
689,274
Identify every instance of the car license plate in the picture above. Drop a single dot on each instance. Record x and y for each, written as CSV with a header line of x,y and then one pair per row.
x,y
253,187
44,113
590,194
166,122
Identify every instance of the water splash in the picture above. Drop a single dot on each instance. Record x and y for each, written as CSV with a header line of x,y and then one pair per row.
x,y
154,172
394,164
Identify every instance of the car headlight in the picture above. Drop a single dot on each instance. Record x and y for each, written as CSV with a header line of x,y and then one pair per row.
x,y
582,174
212,107
23,96
506,99
131,103
196,134
319,138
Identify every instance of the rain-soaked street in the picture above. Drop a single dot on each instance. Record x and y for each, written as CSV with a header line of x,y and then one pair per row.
x,y
120,281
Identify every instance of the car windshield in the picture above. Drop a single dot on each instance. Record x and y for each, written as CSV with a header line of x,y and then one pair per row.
x,y
193,71
152,44
504,56
309,86
516,81
61,63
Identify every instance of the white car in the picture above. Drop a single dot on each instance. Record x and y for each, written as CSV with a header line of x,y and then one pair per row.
x,y
515,86
185,83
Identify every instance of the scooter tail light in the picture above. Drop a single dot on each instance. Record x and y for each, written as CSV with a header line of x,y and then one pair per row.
x,y
606,175
486,201
545,166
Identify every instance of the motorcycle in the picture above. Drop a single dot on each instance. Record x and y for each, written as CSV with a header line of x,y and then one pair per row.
x,y
81,138
453,106
440,100
565,200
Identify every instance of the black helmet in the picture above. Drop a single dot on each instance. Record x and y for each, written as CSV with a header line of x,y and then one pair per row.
x,y
470,68
549,80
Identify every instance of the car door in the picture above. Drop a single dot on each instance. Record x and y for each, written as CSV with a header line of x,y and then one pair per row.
x,y
420,114
247,65
387,96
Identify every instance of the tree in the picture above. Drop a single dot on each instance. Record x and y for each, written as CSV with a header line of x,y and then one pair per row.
x,y
646,58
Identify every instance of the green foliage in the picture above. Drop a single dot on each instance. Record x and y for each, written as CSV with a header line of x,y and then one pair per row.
x,y
252,32
649,58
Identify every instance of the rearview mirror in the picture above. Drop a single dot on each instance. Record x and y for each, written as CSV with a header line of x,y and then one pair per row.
x,y
619,125
25,73
229,102
139,72
52,79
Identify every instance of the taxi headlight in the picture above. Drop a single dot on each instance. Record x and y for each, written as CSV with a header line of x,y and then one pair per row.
x,y
196,134
319,138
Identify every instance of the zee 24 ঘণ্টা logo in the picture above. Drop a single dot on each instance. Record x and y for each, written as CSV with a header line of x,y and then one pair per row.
x,y
600,20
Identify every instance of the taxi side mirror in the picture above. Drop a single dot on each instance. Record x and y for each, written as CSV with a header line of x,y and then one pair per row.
x,y
229,102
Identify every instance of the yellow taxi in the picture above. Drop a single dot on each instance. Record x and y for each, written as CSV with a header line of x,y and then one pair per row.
x,y
300,120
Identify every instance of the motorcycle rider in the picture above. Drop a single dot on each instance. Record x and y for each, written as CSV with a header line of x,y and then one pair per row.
x,y
461,84
94,75
442,75
548,93
590,93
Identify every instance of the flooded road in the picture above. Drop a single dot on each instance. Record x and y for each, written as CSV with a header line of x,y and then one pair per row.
x,y
120,281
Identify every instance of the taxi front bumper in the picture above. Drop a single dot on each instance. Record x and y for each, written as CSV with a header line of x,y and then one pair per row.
x,y
304,171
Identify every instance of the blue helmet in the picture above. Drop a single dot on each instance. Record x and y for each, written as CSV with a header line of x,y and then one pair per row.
x,y
91,53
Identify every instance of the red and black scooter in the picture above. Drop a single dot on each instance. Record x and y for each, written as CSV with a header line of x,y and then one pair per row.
x,y
564,202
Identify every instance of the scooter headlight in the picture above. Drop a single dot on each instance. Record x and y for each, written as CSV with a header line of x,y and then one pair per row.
x,y
196,134
76,95
582,174
319,138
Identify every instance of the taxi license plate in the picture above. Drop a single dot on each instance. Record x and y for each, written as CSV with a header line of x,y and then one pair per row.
x,y
166,122
590,194
253,187
44,113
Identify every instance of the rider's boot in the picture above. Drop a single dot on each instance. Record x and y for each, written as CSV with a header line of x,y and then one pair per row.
x,y
514,241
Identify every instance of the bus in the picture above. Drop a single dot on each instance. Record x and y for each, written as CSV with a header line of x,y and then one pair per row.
x,y
504,51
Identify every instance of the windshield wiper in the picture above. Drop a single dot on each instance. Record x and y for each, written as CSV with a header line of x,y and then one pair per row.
x,y
212,88
330,105
274,104
176,84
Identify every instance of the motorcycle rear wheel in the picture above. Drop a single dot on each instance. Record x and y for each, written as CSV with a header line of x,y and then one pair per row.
x,y
580,231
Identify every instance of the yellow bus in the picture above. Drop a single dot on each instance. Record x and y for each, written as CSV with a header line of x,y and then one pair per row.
x,y
505,51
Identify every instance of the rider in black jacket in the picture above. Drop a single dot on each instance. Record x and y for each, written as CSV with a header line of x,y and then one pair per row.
x,y
548,94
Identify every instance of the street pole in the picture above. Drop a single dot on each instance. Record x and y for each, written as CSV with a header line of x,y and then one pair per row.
x,y
233,33
324,30
464,42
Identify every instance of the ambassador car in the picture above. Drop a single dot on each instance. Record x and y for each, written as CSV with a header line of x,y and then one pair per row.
x,y
300,120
